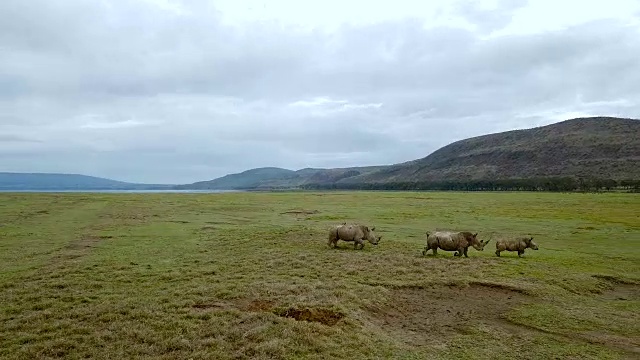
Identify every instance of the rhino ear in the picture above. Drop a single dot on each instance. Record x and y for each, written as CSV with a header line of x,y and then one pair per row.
x,y
373,228
531,238
476,234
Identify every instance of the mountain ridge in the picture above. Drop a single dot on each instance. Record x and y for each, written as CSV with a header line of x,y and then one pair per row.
x,y
601,148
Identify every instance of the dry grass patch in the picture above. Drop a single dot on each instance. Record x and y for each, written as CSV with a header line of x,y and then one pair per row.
x,y
432,315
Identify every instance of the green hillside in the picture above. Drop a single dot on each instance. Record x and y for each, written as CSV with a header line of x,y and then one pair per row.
x,y
599,147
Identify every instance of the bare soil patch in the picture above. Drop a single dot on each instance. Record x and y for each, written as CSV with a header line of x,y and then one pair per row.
x,y
619,289
429,315
624,292
630,345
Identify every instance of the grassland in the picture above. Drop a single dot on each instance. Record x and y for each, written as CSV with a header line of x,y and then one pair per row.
x,y
249,275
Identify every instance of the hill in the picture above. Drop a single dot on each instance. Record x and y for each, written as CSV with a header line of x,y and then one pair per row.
x,y
249,179
604,148
49,181
598,147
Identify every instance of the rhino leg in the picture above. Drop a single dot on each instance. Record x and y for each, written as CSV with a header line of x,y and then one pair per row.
x,y
498,252
465,252
360,242
520,253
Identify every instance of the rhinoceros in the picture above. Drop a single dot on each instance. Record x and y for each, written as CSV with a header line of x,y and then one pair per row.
x,y
453,241
353,232
518,244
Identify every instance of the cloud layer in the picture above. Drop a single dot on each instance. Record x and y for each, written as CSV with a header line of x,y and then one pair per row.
x,y
171,92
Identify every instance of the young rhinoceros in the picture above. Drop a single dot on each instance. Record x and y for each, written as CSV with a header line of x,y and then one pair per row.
x,y
353,232
518,244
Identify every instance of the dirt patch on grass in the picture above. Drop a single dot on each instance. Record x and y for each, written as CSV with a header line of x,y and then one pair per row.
x,y
80,247
624,292
499,286
428,315
431,315
618,288
320,315
630,345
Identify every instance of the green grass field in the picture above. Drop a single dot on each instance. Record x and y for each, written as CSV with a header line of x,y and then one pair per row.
x,y
250,275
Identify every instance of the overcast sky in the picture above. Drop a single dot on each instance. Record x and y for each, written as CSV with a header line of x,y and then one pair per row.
x,y
169,91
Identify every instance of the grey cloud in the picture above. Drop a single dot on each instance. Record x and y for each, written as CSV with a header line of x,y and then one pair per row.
x,y
138,93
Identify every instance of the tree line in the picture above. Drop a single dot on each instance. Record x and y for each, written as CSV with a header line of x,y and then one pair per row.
x,y
559,184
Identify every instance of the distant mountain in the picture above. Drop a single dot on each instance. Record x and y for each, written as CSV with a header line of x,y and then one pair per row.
x,y
605,148
276,178
48,181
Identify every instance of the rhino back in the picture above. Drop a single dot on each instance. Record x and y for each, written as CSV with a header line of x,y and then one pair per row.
x,y
449,241
515,245
349,232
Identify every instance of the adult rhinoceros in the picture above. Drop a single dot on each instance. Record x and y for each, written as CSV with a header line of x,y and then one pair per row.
x,y
453,241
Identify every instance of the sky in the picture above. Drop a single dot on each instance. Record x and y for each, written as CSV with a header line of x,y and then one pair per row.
x,y
170,91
